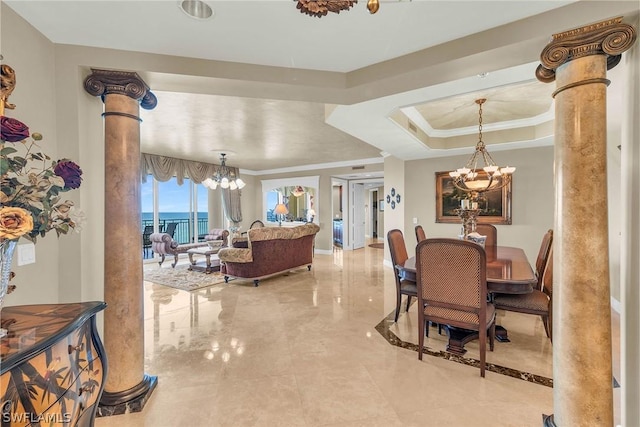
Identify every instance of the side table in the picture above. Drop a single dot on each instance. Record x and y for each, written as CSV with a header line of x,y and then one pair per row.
x,y
212,260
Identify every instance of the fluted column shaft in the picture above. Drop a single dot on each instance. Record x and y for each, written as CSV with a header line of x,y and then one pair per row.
x,y
122,93
578,60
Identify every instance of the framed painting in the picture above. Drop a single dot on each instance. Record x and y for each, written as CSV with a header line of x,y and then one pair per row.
x,y
495,205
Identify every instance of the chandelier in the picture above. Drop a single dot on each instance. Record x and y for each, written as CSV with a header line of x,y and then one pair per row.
x,y
225,177
320,8
297,191
475,178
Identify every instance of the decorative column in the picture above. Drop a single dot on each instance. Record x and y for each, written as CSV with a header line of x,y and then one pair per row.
x,y
578,60
127,387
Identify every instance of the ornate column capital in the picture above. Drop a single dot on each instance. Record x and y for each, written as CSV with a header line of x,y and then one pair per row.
x,y
129,83
611,38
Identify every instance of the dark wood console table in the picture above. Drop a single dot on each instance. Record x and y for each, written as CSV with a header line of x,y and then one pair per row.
x,y
52,365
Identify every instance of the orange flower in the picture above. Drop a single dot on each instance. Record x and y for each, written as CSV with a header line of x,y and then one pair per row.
x,y
14,222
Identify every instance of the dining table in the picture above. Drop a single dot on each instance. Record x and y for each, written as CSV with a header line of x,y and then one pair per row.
x,y
508,272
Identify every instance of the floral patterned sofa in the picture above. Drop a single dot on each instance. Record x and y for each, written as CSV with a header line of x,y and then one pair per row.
x,y
163,244
271,251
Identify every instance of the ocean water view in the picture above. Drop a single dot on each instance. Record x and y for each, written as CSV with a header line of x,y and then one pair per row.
x,y
177,224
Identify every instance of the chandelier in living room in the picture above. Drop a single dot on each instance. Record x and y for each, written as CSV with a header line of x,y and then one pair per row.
x,y
225,177
481,174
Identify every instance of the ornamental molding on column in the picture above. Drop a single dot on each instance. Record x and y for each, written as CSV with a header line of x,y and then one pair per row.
x,y
611,38
128,83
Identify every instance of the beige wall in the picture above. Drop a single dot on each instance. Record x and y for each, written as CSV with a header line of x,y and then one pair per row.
x,y
532,194
32,57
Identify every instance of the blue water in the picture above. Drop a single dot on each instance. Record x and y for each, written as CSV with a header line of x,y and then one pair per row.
x,y
148,216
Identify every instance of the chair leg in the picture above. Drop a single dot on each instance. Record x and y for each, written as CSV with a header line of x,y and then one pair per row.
x,y
408,302
545,322
492,335
483,348
426,329
398,300
421,332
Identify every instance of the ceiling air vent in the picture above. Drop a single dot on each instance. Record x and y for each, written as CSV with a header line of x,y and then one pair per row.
x,y
355,168
413,127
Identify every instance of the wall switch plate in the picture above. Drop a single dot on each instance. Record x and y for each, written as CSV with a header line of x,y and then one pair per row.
x,y
26,254
415,220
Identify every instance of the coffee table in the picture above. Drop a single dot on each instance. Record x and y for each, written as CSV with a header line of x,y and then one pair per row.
x,y
212,260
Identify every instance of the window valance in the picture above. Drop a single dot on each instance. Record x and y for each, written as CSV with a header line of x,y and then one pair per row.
x,y
164,168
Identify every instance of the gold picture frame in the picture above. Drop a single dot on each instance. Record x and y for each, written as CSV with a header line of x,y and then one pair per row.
x,y
496,204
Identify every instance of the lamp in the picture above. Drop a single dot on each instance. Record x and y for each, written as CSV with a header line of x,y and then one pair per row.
x,y
476,179
281,209
223,177
320,8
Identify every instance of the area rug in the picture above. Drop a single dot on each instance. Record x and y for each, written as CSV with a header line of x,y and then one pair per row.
x,y
377,245
181,278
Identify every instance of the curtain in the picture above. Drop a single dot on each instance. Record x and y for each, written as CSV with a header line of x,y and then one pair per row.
x,y
164,168
231,204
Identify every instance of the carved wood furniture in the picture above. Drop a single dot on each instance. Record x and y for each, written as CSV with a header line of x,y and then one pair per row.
x,y
212,261
52,365
420,234
163,244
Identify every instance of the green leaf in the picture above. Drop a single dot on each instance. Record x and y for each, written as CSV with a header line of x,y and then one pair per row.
x,y
8,150
4,166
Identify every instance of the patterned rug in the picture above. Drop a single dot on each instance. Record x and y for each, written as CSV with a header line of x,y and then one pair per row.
x,y
181,278
377,245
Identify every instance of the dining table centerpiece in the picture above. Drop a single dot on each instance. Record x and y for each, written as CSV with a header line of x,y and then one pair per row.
x,y
32,186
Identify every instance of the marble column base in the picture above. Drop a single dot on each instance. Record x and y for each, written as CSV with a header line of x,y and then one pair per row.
x,y
127,401
547,421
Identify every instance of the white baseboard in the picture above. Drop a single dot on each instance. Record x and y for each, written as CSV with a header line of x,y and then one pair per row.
x,y
323,252
387,263
615,304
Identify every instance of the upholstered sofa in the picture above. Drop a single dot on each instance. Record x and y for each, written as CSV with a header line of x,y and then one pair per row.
x,y
271,251
163,244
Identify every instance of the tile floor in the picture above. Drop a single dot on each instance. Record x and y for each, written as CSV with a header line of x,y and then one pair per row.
x,y
302,350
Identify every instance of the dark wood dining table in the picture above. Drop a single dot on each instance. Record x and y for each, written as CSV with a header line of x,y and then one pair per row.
x,y
508,272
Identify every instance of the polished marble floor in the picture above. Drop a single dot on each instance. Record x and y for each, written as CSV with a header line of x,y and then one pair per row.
x,y
303,350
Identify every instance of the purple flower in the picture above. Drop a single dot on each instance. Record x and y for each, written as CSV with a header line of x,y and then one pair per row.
x,y
12,130
70,172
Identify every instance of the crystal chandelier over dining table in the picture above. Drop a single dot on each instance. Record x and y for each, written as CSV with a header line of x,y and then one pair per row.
x,y
224,177
481,174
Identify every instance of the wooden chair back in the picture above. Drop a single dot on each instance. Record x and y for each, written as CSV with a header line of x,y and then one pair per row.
x,y
491,232
543,256
420,234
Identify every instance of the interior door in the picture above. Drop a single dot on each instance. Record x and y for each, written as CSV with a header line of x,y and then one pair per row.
x,y
357,215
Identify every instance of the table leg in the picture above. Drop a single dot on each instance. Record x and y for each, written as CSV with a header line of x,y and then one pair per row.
x,y
191,259
208,269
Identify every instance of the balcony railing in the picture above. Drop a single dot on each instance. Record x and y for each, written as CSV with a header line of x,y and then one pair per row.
x,y
182,233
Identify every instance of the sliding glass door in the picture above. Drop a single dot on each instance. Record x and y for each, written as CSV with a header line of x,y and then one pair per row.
x,y
179,210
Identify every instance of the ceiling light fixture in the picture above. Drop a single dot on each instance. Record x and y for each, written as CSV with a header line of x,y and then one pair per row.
x,y
225,177
320,8
476,179
196,9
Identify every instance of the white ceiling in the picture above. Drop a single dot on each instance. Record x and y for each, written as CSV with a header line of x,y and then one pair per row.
x,y
266,134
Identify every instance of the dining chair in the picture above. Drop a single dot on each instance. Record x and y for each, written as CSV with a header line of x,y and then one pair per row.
x,y
538,302
420,234
398,251
452,290
543,256
491,232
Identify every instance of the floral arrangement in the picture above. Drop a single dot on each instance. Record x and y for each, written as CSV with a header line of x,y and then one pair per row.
x,y
30,201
